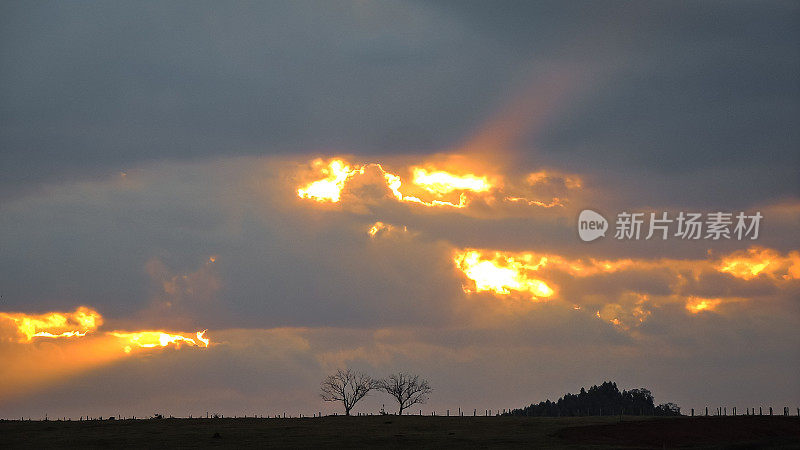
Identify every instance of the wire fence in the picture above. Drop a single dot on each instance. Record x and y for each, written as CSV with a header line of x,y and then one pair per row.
x,y
720,411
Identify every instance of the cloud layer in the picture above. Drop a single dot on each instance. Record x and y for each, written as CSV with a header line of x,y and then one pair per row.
x,y
392,186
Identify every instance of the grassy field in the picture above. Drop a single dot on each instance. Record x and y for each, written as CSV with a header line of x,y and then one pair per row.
x,y
410,431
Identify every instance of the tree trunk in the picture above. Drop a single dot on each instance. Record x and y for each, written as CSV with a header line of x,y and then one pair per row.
x,y
346,412
401,411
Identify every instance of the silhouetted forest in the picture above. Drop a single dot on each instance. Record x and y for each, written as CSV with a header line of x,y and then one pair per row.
x,y
603,400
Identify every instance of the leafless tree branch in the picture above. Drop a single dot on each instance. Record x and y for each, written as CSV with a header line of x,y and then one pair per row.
x,y
406,388
346,386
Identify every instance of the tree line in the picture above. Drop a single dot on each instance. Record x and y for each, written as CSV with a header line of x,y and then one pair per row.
x,y
349,386
604,400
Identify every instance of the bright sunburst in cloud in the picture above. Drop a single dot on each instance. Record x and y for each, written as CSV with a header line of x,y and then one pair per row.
x,y
439,182
54,324
151,339
502,274
434,187
32,327
328,189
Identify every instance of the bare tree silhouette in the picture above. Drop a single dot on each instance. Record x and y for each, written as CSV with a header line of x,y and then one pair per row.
x,y
406,388
348,387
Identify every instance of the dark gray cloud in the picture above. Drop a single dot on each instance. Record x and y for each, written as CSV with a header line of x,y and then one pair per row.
x,y
90,87
694,88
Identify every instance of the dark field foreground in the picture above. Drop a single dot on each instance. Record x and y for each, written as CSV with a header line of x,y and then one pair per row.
x,y
411,431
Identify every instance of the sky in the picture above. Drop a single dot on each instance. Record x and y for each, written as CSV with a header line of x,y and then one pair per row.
x,y
209,207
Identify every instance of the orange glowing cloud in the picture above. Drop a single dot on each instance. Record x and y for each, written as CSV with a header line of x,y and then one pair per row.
x,y
501,274
554,202
33,365
380,228
760,261
84,320
337,173
745,264
440,182
54,324
151,339
328,189
430,184
43,349
499,265
541,276
696,305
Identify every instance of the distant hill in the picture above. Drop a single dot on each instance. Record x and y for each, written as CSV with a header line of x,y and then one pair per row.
x,y
603,400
